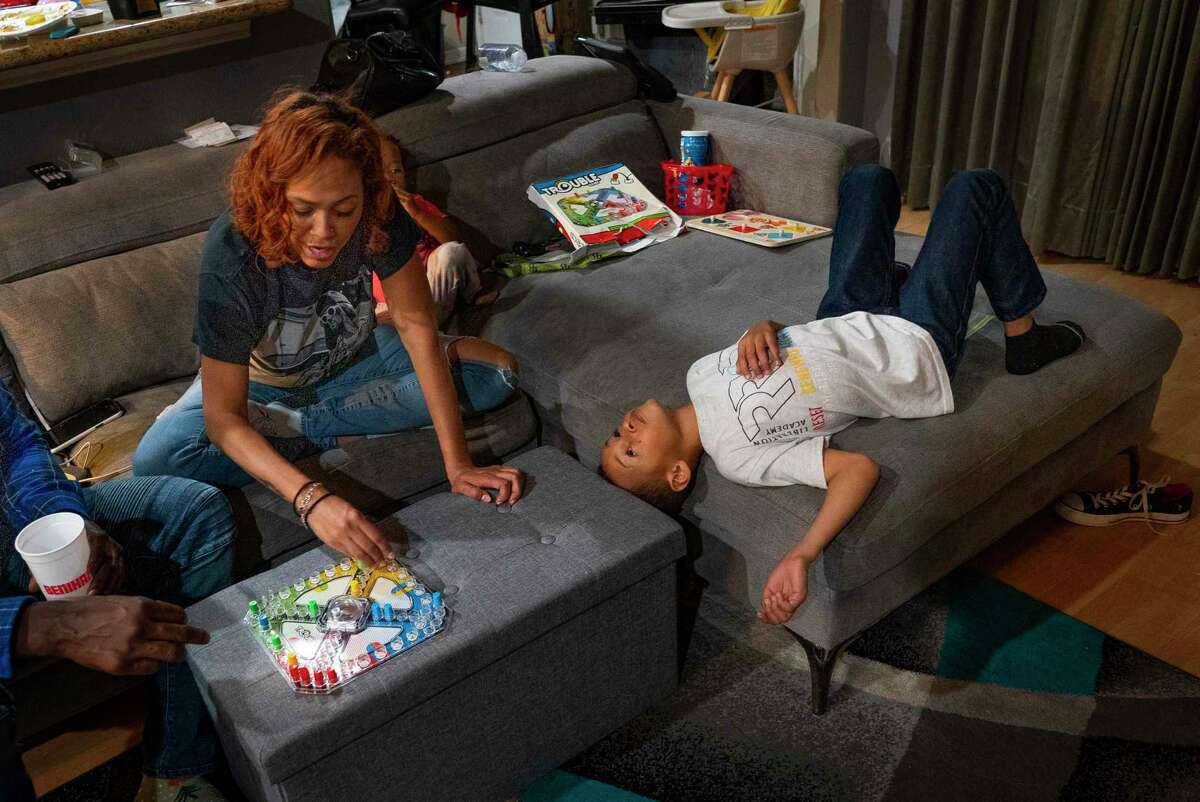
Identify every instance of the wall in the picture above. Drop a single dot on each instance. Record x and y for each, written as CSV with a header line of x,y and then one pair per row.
x,y
132,107
846,64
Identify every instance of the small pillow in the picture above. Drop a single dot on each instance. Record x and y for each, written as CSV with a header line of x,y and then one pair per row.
x,y
104,328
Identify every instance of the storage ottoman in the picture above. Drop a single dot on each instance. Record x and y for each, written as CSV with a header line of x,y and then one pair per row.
x,y
562,627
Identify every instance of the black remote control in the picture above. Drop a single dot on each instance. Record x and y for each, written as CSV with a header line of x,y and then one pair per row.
x,y
51,175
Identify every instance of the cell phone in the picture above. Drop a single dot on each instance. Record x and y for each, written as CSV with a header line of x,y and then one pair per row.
x,y
73,429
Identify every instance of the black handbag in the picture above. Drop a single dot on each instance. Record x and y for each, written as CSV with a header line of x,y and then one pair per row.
x,y
382,72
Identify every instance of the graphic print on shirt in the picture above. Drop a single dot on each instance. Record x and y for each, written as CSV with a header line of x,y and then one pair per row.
x,y
306,343
762,405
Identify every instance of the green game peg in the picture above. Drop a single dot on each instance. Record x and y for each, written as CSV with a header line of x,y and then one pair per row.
x,y
276,643
253,606
313,609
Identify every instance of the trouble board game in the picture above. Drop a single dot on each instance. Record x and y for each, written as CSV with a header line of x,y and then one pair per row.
x,y
768,230
328,628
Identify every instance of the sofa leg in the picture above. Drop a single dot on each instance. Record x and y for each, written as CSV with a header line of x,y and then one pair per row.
x,y
689,590
1135,464
820,667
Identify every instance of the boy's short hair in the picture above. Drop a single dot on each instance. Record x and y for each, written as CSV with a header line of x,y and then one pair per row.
x,y
658,494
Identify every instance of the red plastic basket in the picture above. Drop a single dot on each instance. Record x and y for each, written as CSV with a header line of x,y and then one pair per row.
x,y
697,190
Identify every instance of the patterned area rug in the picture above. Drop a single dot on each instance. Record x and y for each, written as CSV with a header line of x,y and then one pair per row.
x,y
971,691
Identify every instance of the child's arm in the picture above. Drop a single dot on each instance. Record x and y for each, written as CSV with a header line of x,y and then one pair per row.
x,y
850,478
429,218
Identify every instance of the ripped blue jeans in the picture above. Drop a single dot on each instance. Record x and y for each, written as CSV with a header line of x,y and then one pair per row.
x,y
378,394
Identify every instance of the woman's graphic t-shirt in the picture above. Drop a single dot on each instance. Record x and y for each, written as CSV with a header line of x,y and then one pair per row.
x,y
292,325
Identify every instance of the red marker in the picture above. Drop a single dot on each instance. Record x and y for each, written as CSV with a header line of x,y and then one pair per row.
x,y
305,679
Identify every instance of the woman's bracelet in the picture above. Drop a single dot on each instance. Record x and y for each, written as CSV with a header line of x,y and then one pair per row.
x,y
304,515
303,496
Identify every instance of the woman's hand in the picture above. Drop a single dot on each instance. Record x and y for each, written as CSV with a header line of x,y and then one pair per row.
x,y
337,523
498,483
758,350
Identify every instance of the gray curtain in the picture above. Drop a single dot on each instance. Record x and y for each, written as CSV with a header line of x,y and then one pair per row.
x,y
1090,109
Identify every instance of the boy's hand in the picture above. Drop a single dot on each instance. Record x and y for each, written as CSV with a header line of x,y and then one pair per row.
x,y
785,591
758,351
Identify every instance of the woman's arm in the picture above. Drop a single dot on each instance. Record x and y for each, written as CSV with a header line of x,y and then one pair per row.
x,y
226,389
408,298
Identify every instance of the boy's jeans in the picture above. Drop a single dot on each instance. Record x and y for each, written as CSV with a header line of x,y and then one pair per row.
x,y
379,394
974,237
177,536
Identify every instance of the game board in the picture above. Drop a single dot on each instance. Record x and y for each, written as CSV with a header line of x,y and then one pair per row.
x,y
761,229
600,206
328,628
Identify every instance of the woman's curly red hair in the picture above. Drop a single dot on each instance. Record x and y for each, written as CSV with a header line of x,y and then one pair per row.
x,y
297,132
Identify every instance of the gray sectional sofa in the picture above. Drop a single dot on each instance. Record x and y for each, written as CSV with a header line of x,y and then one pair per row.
x,y
97,297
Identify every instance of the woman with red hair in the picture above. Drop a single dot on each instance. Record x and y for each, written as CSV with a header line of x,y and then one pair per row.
x,y
291,358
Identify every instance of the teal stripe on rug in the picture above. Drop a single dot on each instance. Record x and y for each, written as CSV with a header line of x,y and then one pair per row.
x,y
562,786
997,634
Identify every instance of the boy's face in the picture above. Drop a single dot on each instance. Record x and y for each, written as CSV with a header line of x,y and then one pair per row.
x,y
642,450
393,165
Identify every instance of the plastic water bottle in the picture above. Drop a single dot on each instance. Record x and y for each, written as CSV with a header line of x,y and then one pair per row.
x,y
502,58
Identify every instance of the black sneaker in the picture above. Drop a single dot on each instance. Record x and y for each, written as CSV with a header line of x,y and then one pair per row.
x,y
1156,502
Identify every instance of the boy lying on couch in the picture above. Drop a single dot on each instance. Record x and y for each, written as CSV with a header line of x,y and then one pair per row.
x,y
885,342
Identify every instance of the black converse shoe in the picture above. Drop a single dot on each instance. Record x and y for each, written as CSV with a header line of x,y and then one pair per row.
x,y
1152,502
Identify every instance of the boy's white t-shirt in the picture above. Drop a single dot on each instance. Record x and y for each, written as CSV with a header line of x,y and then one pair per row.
x,y
773,431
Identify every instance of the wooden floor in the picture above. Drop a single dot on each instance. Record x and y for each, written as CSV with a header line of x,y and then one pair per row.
x,y
1136,585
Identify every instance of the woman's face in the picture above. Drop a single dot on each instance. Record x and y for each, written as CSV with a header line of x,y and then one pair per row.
x,y
326,206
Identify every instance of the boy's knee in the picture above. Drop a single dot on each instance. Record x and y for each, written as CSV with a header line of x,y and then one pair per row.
x,y
870,174
874,178
979,179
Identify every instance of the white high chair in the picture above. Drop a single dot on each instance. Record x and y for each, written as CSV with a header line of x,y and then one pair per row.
x,y
745,38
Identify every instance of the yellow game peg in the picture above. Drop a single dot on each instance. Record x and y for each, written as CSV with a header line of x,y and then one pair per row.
x,y
292,660
355,588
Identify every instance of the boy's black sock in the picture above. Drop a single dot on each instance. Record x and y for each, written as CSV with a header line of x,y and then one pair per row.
x,y
1040,346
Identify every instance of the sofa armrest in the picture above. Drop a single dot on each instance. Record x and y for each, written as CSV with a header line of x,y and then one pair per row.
x,y
786,164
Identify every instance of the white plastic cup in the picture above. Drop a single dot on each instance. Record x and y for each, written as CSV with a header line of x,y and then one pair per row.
x,y
56,550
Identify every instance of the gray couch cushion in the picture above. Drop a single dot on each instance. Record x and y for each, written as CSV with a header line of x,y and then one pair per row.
x,y
571,543
786,164
147,197
485,189
105,327
636,324
471,111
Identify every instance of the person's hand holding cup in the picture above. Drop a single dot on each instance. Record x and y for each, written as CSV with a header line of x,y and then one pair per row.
x,y
55,547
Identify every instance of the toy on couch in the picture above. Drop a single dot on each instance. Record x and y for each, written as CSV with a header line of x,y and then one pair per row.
x,y
760,228
602,211
326,629
600,207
